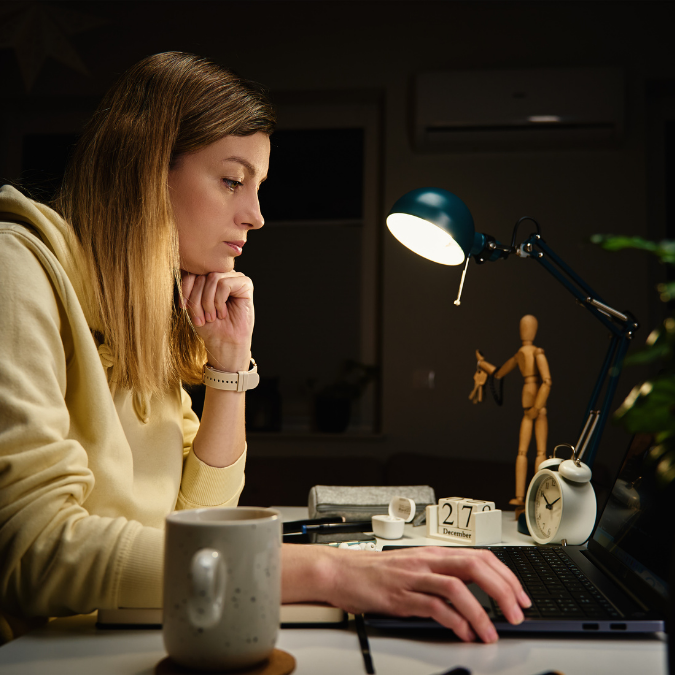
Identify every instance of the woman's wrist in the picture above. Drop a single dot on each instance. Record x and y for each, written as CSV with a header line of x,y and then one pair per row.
x,y
230,360
308,573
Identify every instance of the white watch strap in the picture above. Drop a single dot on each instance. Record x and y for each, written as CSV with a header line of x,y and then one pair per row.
x,y
242,380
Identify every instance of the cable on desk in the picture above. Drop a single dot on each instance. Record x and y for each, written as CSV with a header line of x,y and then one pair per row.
x,y
365,646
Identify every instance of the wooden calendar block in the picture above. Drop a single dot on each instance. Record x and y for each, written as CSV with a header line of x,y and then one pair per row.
x,y
471,507
448,512
465,521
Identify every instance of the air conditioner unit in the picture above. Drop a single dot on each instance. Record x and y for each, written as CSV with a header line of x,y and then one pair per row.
x,y
518,109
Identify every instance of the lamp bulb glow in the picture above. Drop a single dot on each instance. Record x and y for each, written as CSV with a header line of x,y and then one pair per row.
x,y
425,239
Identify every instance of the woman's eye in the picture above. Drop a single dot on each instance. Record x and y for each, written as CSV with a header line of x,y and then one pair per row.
x,y
231,184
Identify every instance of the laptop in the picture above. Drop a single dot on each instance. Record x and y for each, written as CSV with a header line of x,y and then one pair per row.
x,y
616,583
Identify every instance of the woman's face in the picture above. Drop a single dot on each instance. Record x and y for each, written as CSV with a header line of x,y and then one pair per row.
x,y
214,194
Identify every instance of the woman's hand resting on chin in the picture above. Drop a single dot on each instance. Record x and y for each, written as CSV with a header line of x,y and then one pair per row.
x,y
220,306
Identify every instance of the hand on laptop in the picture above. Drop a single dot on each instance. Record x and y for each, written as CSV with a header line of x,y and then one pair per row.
x,y
407,582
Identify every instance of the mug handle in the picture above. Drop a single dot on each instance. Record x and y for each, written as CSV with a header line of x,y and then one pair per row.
x,y
207,593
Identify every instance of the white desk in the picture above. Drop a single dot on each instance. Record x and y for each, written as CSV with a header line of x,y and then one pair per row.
x,y
74,646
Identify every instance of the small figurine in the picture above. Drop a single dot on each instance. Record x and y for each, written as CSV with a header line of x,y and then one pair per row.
x,y
535,371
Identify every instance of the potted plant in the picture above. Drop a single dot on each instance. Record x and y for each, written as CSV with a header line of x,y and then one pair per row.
x,y
650,406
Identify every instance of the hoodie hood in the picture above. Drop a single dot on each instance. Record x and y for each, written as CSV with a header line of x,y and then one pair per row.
x,y
59,236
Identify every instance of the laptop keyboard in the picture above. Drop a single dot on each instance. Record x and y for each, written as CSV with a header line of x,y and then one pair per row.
x,y
557,587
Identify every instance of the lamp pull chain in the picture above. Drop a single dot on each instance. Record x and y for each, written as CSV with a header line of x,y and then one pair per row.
x,y
461,283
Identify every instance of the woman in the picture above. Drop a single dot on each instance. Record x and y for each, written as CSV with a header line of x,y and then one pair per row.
x,y
111,300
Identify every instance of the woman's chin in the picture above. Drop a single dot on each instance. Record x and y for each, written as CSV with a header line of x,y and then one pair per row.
x,y
219,266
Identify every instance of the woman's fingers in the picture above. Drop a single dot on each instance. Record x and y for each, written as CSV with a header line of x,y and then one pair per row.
x,y
448,572
463,601
507,575
228,288
206,296
194,302
187,282
510,578
477,566
443,572
435,607
221,296
429,581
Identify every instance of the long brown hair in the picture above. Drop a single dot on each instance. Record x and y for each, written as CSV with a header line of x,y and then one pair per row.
x,y
115,195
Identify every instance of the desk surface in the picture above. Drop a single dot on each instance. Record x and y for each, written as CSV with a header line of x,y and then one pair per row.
x,y
74,646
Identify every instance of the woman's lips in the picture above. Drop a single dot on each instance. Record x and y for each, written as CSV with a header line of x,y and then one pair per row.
x,y
236,246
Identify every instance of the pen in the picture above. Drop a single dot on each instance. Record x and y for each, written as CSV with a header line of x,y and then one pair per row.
x,y
365,646
355,526
293,526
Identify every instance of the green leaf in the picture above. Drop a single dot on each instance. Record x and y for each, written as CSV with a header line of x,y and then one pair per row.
x,y
614,242
659,467
649,354
650,408
666,291
665,249
660,346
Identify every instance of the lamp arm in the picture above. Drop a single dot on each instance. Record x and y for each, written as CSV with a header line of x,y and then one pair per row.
x,y
619,323
487,249
622,325
583,299
515,229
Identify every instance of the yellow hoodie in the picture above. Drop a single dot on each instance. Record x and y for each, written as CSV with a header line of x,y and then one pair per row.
x,y
86,479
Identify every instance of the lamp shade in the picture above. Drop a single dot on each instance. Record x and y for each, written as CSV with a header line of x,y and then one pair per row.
x,y
435,224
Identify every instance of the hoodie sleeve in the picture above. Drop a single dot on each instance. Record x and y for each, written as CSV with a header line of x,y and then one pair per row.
x,y
55,557
203,485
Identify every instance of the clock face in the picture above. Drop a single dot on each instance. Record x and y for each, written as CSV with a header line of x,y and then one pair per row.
x,y
547,507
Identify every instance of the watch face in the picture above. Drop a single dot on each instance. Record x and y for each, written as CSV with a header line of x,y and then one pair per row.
x,y
547,507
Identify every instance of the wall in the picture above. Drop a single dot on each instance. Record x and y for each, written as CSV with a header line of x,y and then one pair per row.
x,y
318,46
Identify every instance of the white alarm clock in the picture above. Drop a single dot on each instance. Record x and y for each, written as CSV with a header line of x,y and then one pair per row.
x,y
560,502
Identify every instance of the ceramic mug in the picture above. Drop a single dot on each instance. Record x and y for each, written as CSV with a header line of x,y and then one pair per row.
x,y
222,586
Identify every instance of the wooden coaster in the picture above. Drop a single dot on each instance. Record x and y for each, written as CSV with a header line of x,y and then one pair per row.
x,y
279,663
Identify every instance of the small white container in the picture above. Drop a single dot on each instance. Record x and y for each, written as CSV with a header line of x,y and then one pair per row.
x,y
401,511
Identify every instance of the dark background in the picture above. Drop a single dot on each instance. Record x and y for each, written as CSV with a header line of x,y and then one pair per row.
x,y
352,51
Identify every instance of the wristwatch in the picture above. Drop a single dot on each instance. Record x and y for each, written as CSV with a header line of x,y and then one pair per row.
x,y
242,380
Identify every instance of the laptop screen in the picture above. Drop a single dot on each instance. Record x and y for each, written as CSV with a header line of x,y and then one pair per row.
x,y
631,537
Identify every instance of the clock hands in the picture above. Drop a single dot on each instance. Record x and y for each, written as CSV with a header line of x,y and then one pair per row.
x,y
549,505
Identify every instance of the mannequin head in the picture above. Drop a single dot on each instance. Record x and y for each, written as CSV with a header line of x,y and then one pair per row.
x,y
528,328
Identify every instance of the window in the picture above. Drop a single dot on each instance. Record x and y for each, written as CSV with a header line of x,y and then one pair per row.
x,y
314,266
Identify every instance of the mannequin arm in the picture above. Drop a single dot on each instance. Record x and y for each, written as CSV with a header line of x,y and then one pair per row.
x,y
546,382
510,365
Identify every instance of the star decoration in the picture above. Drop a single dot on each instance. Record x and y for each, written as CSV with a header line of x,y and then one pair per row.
x,y
36,30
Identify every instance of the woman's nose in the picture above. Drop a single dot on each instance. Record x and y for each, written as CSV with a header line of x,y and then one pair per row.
x,y
251,215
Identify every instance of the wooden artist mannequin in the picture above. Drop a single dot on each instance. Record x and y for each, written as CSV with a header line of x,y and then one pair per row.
x,y
535,371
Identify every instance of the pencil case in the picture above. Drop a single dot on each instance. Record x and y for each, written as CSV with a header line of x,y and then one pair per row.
x,y
363,502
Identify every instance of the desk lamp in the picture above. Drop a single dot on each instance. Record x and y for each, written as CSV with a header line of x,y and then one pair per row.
x,y
437,225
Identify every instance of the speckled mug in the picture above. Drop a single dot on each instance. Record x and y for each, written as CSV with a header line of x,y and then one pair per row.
x,y
222,586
